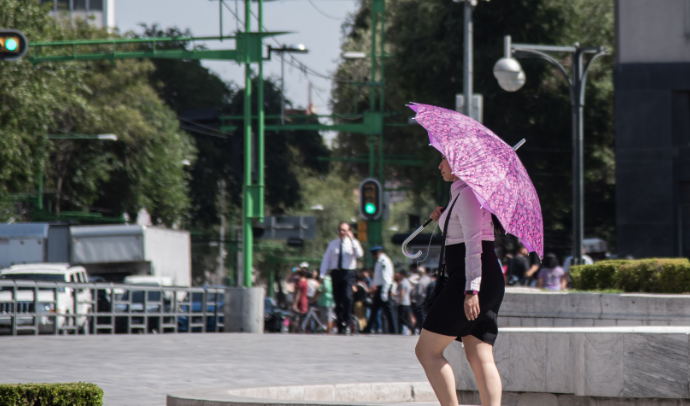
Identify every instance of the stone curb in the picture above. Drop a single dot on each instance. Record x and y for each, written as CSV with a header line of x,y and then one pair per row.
x,y
358,394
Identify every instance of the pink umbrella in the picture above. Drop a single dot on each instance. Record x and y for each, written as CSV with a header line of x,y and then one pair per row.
x,y
490,167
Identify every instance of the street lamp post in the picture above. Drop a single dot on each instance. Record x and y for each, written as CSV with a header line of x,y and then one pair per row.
x,y
511,77
295,49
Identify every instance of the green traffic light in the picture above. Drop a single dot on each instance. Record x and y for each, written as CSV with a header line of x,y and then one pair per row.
x,y
11,44
369,208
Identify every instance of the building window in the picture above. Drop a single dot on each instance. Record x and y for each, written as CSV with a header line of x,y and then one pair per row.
x,y
96,5
79,5
63,5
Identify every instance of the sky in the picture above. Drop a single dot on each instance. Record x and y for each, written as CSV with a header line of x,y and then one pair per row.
x,y
315,23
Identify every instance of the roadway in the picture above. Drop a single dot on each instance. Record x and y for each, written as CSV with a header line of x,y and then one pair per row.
x,y
142,369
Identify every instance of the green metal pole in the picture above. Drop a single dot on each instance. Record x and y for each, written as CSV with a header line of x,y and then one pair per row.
x,y
372,87
260,143
247,236
383,41
40,189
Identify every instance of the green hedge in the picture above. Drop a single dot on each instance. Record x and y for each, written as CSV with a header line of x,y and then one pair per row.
x,y
53,394
656,275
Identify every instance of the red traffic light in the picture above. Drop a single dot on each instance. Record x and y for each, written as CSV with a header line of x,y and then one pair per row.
x,y
13,45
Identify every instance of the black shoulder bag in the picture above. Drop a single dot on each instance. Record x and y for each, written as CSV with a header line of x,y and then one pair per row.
x,y
441,277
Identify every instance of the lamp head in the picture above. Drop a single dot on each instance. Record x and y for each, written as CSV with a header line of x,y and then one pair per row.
x,y
107,137
509,74
354,55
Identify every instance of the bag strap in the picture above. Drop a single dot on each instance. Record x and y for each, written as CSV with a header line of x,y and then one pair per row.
x,y
445,231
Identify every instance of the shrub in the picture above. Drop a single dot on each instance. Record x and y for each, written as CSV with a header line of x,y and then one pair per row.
x,y
54,394
656,275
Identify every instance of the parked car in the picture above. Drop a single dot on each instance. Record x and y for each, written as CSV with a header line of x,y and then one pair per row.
x,y
47,303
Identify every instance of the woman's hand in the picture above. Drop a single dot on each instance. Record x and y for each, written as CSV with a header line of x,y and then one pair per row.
x,y
436,214
471,307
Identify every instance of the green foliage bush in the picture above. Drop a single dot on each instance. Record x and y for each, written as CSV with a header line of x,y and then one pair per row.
x,y
53,394
654,275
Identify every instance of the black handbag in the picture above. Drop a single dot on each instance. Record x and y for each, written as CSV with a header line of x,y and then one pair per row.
x,y
441,277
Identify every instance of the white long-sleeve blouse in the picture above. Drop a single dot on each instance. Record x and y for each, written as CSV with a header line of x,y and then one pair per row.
x,y
469,224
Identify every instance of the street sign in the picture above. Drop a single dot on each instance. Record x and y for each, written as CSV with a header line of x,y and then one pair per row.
x,y
288,227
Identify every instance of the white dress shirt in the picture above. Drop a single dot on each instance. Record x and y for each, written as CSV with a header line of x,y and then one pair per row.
x,y
383,274
469,224
352,250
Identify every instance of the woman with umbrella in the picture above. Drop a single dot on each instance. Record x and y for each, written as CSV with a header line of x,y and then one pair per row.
x,y
490,188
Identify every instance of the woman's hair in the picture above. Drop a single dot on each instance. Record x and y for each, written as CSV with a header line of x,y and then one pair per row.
x,y
498,227
550,261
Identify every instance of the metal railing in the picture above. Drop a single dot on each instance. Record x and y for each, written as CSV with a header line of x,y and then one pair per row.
x,y
32,307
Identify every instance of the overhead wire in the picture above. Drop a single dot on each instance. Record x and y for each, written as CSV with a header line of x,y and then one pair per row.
x,y
322,13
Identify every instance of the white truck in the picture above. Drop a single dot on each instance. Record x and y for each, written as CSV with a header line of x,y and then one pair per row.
x,y
118,251
48,304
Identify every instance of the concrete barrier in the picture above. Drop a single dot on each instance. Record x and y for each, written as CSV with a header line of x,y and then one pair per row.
x,y
578,366
389,393
525,307
244,310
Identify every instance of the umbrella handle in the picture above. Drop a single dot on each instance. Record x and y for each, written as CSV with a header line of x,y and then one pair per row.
x,y
410,238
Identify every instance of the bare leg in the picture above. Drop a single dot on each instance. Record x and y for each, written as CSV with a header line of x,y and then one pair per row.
x,y
481,358
429,351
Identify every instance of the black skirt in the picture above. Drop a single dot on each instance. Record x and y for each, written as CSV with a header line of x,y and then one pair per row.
x,y
447,315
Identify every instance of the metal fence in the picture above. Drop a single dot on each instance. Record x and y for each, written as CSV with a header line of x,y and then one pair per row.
x,y
32,307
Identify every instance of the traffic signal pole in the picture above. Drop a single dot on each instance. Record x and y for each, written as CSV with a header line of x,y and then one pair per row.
x,y
247,234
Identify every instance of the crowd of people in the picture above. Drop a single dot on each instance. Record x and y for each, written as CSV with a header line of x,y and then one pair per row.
x,y
525,269
339,298
387,308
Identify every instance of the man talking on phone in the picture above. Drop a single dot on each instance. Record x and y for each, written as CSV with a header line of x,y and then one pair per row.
x,y
340,260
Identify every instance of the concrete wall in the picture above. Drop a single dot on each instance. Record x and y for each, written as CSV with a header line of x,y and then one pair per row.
x,y
653,31
614,362
652,115
530,308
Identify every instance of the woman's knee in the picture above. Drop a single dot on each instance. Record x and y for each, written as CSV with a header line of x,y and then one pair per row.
x,y
424,353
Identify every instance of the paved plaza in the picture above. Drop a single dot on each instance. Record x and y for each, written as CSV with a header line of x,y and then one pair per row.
x,y
141,370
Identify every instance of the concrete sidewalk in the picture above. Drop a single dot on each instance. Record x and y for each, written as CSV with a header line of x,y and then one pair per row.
x,y
141,370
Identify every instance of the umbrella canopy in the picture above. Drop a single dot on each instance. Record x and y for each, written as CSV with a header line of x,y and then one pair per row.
x,y
490,167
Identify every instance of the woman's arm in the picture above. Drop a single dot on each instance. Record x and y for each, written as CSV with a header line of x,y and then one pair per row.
x,y
471,217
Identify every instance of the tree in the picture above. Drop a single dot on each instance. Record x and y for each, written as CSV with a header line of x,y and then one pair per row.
x,y
144,168
199,98
426,46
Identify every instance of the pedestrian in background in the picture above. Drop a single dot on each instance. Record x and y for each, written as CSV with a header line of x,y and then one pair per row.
x,y
382,282
312,281
340,259
586,260
404,302
418,297
301,302
361,300
324,303
552,276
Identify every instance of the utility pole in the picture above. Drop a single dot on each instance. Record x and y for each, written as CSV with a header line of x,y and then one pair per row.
x,y
467,58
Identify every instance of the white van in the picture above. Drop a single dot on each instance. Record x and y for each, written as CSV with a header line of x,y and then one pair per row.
x,y
48,272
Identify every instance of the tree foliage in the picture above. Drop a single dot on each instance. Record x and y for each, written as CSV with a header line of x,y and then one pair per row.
x,y
143,169
425,41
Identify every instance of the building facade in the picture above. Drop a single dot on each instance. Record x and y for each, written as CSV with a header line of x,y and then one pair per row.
x,y
102,11
652,113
